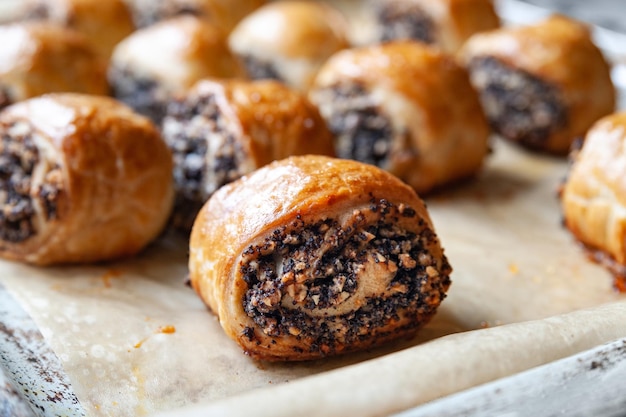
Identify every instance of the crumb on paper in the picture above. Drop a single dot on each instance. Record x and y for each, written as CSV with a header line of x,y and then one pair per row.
x,y
167,329
513,268
487,324
109,275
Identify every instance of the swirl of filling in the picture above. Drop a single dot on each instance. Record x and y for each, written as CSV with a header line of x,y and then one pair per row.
x,y
403,20
5,100
205,152
340,280
362,129
258,68
142,93
519,106
147,13
28,184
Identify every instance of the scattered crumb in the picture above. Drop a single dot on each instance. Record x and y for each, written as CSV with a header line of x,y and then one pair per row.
x,y
109,275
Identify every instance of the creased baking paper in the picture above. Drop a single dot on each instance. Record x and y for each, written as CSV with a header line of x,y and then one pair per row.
x,y
135,340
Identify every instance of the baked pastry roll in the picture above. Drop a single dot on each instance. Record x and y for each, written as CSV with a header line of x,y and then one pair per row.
x,y
220,131
541,85
103,22
38,58
156,62
313,256
419,118
223,13
83,179
593,197
302,36
444,23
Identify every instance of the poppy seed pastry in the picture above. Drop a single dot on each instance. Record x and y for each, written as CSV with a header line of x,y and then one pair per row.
x,y
302,36
83,179
542,85
221,130
103,23
418,118
35,59
593,197
222,13
153,64
313,256
444,23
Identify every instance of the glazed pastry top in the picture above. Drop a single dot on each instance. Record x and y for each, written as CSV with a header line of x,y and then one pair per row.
x,y
178,51
291,189
40,57
293,29
103,23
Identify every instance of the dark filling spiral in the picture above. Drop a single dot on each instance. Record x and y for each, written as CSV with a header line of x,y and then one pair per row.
x,y
520,106
18,158
259,69
153,11
142,94
37,11
362,130
206,152
5,100
45,10
403,20
318,266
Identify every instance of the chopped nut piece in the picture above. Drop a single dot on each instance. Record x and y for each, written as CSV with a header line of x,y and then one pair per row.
x,y
407,262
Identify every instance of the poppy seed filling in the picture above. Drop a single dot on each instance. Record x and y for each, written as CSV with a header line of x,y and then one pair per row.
x,y
303,269
205,152
141,93
362,130
37,11
402,20
519,105
18,158
155,11
5,100
259,69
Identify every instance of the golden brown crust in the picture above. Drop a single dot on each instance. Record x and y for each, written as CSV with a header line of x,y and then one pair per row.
x,y
303,36
177,53
560,52
440,133
112,178
247,125
453,21
103,23
594,195
275,121
39,58
293,194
